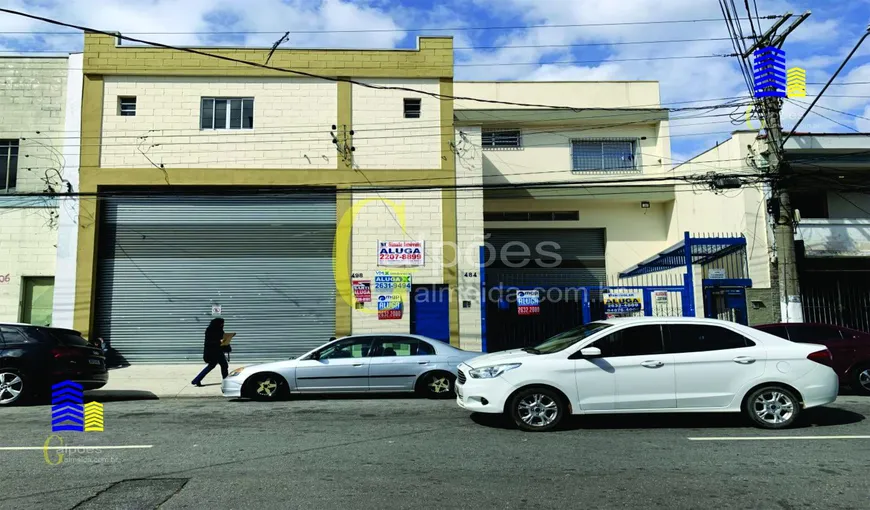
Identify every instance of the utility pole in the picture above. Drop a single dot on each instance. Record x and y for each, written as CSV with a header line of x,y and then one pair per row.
x,y
782,212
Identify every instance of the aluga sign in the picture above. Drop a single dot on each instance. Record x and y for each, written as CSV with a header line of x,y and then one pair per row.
x,y
400,253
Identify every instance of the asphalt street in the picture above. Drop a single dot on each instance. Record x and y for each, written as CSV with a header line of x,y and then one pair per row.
x,y
380,453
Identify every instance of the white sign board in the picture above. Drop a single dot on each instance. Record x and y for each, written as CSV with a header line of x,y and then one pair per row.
x,y
216,309
660,297
717,273
401,253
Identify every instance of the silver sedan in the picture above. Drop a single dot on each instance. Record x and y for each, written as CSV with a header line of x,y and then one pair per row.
x,y
356,364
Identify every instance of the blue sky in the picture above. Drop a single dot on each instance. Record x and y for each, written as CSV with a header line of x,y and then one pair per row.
x,y
520,53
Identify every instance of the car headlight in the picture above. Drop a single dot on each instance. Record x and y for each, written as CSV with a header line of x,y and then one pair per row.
x,y
493,371
236,372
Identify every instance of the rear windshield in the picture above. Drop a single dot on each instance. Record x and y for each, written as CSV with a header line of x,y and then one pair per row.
x,y
67,338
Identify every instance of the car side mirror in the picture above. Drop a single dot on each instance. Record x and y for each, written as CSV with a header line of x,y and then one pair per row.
x,y
590,352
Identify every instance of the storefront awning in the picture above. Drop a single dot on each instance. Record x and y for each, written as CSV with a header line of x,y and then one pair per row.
x,y
700,250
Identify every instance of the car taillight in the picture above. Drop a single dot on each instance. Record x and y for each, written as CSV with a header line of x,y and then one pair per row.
x,y
824,357
65,352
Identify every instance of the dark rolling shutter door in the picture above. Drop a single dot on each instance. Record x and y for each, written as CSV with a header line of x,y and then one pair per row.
x,y
581,252
164,262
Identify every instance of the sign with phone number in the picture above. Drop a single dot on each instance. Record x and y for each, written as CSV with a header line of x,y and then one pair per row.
x,y
400,253
391,280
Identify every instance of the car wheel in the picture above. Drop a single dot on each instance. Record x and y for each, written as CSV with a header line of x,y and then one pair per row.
x,y
772,407
265,387
861,380
437,385
11,387
537,409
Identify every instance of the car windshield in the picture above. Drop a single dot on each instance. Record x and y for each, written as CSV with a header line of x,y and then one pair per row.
x,y
569,338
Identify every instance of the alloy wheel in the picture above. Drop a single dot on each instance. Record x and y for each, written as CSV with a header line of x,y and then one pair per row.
x,y
266,387
439,384
538,410
11,386
774,407
864,379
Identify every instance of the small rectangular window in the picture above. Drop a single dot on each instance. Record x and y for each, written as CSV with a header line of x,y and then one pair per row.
x,y
8,165
500,138
603,155
127,106
227,113
412,107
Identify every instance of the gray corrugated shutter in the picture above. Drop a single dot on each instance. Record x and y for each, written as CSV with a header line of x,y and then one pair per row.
x,y
267,262
581,252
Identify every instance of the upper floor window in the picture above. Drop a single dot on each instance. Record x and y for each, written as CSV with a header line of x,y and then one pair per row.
x,y
8,165
127,106
412,107
227,113
603,155
500,138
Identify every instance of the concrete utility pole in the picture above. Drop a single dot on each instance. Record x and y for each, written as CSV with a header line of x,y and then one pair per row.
x,y
784,228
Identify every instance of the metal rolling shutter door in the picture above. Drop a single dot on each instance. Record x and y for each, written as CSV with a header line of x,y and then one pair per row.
x,y
164,261
582,252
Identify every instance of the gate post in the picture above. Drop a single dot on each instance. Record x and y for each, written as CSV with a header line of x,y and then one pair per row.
x,y
483,300
688,279
587,312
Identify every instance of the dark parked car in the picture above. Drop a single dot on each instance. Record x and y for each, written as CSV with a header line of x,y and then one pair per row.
x,y
849,347
32,358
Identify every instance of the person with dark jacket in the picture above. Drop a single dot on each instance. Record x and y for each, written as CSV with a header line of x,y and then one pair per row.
x,y
212,352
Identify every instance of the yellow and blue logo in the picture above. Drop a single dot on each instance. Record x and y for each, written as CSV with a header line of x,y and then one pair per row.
x,y
69,413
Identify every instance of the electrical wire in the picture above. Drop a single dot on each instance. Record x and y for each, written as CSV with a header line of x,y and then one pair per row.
x,y
297,72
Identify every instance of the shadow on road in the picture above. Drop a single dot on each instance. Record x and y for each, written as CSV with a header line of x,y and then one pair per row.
x,y
100,396
345,396
816,417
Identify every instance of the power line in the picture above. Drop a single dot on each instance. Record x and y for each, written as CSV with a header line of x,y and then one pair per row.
x,y
392,30
285,70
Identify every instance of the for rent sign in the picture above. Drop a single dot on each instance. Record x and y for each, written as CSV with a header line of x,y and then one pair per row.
x,y
400,253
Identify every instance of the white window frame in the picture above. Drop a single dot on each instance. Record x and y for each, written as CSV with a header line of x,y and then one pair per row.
x,y
227,121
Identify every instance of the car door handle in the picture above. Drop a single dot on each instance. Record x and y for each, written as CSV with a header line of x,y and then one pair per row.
x,y
743,360
357,364
422,362
652,364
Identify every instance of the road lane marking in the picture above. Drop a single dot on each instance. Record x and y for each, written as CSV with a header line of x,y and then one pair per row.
x,y
82,447
774,438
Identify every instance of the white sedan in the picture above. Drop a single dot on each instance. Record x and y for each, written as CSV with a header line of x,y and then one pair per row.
x,y
649,365
354,364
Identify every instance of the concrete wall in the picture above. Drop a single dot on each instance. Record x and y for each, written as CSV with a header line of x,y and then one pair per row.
x,y
470,237
384,139
292,121
32,109
592,94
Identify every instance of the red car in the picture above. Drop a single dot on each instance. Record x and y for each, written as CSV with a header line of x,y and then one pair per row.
x,y
849,347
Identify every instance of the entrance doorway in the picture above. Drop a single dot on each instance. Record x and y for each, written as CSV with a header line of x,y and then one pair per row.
x,y
725,303
37,298
430,311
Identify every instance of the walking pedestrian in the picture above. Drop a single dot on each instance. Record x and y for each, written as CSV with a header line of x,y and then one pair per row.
x,y
212,352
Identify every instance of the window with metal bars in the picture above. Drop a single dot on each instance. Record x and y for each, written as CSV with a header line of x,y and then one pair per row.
x,y
127,106
8,165
412,107
227,113
500,138
603,155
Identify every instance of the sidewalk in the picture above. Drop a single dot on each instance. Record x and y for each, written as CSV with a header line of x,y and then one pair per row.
x,y
163,381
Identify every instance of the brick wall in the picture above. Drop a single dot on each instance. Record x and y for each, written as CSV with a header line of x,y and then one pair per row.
x,y
32,100
382,218
292,121
32,108
469,219
26,249
384,139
